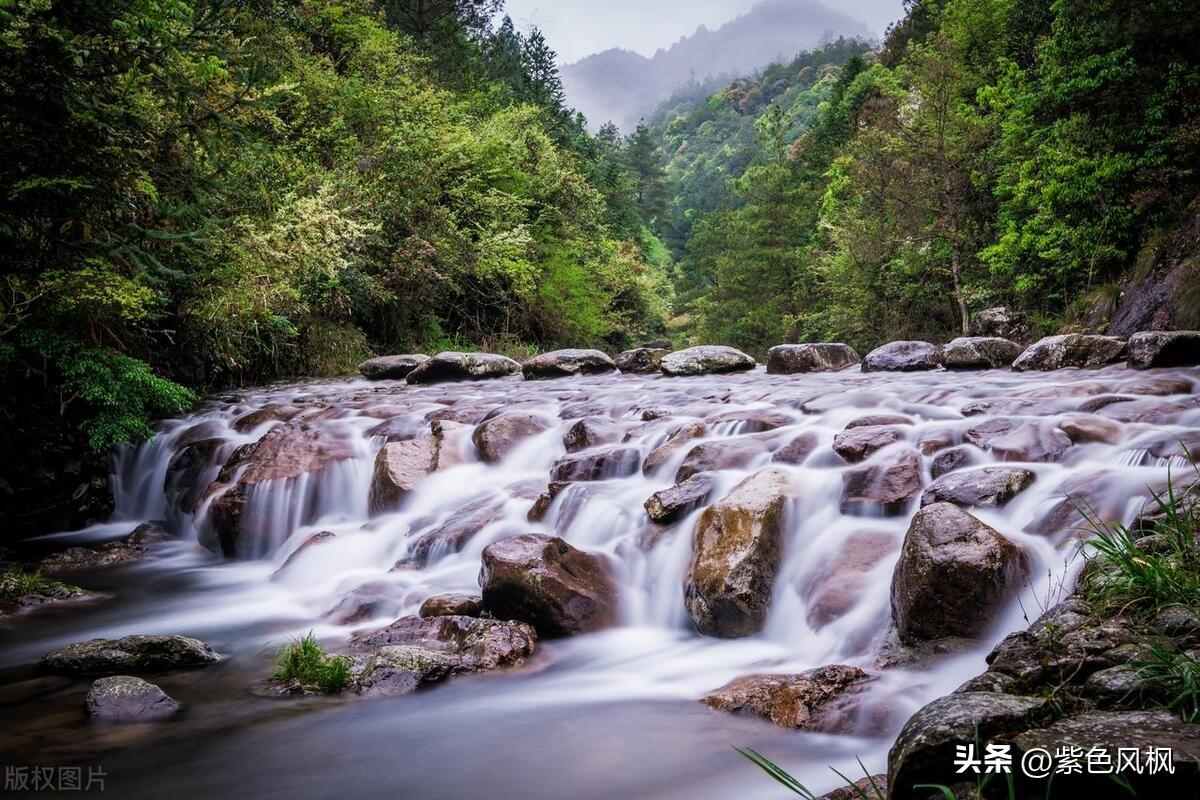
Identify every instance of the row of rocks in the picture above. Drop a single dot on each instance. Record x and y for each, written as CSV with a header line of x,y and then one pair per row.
x,y
1142,351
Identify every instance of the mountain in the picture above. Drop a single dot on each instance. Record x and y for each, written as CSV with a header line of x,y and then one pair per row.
x,y
622,86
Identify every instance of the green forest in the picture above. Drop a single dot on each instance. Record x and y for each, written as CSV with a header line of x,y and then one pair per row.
x,y
203,194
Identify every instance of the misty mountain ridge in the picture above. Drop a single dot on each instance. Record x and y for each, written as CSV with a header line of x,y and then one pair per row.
x,y
622,86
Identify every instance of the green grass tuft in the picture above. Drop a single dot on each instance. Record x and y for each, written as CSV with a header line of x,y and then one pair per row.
x,y
19,583
304,661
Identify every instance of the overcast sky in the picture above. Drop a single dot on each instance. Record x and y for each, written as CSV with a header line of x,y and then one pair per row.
x,y
576,28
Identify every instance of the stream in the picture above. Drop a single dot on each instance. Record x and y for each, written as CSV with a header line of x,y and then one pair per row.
x,y
603,715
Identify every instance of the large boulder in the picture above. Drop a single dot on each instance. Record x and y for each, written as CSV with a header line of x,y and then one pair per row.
x,y
979,352
1002,322
454,366
882,488
546,582
562,363
1071,350
286,452
495,438
590,432
1164,349
924,751
855,444
788,359
953,575
717,454
399,467
821,699
415,651
704,360
641,360
736,551
902,357
667,505
989,487
598,464
391,367
126,698
137,653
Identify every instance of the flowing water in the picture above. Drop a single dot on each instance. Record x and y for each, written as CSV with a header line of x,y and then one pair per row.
x,y
611,714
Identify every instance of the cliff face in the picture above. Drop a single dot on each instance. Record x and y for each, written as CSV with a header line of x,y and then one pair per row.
x,y
1165,293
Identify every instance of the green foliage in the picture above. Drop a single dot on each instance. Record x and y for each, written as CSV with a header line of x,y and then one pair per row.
x,y
305,662
1176,676
18,583
203,193
1145,580
873,791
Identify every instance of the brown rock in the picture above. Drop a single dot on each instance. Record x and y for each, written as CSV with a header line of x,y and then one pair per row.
x,y
667,505
590,432
797,450
735,553
641,360
451,605
399,467
598,464
546,582
718,454
497,437
855,444
820,699
954,574
989,487
887,487
788,359
677,440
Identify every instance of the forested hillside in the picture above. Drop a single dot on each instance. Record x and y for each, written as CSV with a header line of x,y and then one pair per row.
x,y
198,194
1034,153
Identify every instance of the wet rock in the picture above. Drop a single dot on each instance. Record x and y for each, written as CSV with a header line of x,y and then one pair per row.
x,y
599,464
1005,323
718,454
541,505
124,697
736,551
855,444
129,549
455,531
989,682
563,363
590,432
16,598
979,352
705,360
190,470
1071,350
1164,349
838,587
415,651
395,367
269,413
1012,440
1061,646
788,359
935,440
949,460
138,653
797,450
887,487
678,440
926,744
312,541
1121,686
1094,404
462,413
286,452
497,437
821,699
989,487
872,420
902,357
953,575
1085,430
368,601
641,360
1177,622
1112,732
667,505
455,366
753,421
546,582
452,605
399,467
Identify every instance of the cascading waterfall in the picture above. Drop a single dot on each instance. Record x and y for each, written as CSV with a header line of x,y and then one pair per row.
x,y
831,596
